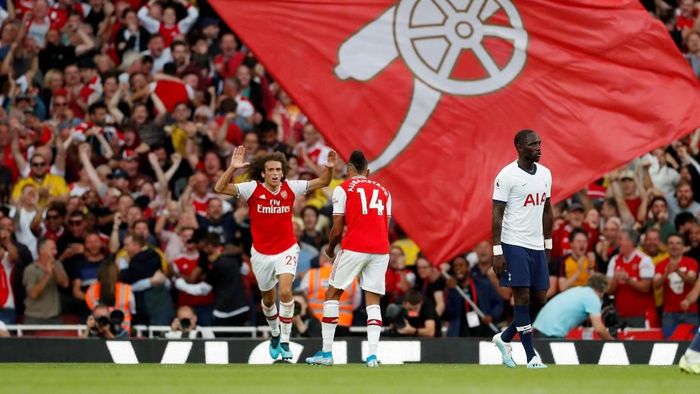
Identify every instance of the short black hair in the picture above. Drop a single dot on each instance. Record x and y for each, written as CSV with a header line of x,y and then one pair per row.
x,y
228,105
683,218
170,69
521,135
76,214
211,239
413,297
95,106
267,125
358,161
576,232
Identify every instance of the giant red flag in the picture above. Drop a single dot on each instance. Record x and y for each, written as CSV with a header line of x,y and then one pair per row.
x,y
434,90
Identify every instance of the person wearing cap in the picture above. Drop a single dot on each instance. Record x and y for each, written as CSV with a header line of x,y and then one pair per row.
x,y
129,163
625,191
682,201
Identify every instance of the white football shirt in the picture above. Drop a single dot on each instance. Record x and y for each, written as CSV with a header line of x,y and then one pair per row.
x,y
524,195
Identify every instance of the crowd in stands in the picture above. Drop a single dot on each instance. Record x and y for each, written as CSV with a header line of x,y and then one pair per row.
x,y
117,118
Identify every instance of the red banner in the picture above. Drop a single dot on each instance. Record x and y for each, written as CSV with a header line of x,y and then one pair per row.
x,y
434,90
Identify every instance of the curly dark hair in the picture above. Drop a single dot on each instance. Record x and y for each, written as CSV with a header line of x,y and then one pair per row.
x,y
257,165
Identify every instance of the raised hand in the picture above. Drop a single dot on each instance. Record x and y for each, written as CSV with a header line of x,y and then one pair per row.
x,y
331,159
238,157
84,149
153,159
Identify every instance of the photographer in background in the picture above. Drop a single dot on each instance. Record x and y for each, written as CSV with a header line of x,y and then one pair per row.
x,y
304,323
415,317
105,324
571,308
184,326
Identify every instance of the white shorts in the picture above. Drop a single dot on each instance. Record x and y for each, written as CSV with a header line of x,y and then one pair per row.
x,y
370,267
267,268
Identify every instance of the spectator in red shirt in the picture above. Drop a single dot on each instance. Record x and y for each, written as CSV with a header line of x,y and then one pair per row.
x,y
560,237
626,193
630,273
687,16
676,275
227,62
168,26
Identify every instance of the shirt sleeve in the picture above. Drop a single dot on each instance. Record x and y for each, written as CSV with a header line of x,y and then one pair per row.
x,y
299,187
151,25
646,268
660,268
141,285
246,189
501,188
611,267
549,184
30,278
196,289
186,24
388,205
339,198
59,268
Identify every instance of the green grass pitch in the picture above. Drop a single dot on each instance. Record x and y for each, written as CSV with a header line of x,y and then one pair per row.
x,y
281,378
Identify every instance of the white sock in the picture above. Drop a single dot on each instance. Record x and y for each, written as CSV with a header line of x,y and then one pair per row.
x,y
286,314
374,327
272,318
329,323
692,356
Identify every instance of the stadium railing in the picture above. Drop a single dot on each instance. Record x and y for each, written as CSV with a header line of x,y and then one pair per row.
x,y
142,331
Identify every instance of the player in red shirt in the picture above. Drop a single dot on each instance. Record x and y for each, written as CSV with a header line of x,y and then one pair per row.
x,y
365,207
275,250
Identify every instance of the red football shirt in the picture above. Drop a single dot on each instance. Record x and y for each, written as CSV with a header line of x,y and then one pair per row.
x,y
628,301
186,264
271,214
675,289
367,208
172,93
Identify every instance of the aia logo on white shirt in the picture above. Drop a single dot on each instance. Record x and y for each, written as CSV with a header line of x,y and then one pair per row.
x,y
535,199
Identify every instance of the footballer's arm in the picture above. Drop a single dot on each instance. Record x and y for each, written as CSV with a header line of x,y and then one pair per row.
x,y
223,184
335,234
325,178
547,225
499,209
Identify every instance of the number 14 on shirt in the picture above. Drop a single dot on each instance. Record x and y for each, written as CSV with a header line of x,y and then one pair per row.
x,y
374,202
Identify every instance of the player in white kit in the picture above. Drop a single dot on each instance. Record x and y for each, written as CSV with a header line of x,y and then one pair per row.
x,y
522,239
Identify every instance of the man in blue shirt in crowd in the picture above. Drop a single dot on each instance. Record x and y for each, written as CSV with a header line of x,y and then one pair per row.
x,y
572,307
